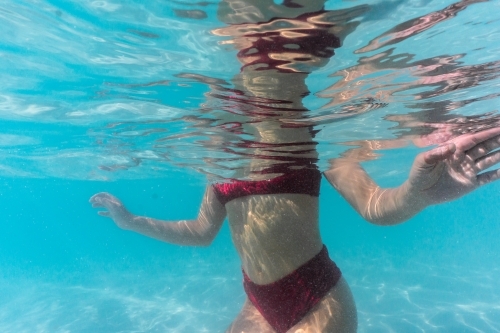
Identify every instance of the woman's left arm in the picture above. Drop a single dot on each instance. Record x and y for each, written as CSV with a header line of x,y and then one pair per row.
x,y
196,232
439,175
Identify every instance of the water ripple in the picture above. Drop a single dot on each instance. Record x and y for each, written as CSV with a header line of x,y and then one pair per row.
x,y
160,85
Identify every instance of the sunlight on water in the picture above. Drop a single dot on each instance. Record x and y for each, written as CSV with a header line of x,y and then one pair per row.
x,y
117,90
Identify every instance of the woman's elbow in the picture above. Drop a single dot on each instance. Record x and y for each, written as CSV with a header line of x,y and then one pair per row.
x,y
383,222
206,238
205,242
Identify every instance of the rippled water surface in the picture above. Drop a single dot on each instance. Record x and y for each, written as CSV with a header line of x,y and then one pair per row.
x,y
145,88
149,98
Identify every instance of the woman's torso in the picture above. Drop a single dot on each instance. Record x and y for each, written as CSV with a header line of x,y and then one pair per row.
x,y
274,234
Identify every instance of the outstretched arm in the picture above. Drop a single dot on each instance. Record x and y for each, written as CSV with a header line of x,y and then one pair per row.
x,y
442,174
198,232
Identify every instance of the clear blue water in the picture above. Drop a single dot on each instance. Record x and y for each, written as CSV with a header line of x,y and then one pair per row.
x,y
105,96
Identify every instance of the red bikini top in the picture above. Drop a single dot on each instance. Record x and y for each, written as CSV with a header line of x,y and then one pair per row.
x,y
301,181
304,41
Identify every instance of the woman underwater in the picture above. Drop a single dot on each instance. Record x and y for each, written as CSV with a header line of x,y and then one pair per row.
x,y
273,208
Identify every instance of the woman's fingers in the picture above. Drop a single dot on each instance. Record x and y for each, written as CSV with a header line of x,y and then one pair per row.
x,y
469,141
104,213
98,202
104,200
483,148
438,154
488,177
93,199
488,161
98,198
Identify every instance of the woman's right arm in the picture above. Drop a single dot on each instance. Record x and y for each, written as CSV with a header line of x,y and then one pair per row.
x,y
439,175
197,232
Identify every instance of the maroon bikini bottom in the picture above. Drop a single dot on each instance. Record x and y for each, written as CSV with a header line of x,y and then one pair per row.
x,y
285,302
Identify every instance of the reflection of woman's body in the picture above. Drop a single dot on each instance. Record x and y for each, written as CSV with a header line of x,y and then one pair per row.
x,y
273,217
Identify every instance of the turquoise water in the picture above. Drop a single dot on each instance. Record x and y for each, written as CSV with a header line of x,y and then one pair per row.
x,y
106,96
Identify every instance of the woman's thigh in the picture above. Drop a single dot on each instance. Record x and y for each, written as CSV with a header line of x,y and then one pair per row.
x,y
249,320
336,313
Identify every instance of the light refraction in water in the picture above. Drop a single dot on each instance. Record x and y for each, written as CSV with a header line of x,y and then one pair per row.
x,y
146,88
114,90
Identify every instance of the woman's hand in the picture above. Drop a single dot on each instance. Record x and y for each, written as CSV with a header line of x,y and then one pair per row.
x,y
115,209
455,168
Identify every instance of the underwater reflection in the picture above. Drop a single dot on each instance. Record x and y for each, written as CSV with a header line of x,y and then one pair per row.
x,y
281,47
